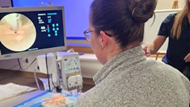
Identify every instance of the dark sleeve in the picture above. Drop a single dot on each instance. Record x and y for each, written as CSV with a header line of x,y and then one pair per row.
x,y
166,26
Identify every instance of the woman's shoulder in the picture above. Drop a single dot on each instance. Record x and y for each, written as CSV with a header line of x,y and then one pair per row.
x,y
170,17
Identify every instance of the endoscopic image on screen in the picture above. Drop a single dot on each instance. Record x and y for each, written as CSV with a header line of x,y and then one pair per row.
x,y
17,32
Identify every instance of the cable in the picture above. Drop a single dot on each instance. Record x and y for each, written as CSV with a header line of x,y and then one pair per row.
x,y
52,81
54,87
19,63
11,75
29,65
13,67
47,73
36,78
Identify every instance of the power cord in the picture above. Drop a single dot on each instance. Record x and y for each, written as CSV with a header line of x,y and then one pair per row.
x,y
48,73
19,64
54,87
13,73
58,88
28,66
52,81
36,77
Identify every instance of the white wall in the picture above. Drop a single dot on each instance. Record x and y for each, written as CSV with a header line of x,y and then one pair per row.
x,y
167,4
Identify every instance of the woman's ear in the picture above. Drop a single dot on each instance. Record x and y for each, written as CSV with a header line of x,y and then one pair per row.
x,y
104,39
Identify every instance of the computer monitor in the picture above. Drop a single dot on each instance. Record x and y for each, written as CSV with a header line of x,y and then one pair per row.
x,y
31,31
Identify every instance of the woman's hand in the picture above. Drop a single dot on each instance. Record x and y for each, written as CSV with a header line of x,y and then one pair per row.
x,y
146,49
187,58
155,46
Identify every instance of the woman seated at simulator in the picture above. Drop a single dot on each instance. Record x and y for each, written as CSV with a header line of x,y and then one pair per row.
x,y
128,79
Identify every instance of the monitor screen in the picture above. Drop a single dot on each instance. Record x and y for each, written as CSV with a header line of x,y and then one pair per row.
x,y
31,31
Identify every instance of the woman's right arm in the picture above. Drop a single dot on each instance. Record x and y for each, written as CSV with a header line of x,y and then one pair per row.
x,y
155,46
158,42
163,33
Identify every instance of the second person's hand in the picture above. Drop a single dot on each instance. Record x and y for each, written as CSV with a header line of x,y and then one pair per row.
x,y
146,49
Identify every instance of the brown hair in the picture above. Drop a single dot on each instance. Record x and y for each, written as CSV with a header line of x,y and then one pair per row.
x,y
177,26
125,18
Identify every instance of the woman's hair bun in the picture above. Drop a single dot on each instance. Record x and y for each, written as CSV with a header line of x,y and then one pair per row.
x,y
143,10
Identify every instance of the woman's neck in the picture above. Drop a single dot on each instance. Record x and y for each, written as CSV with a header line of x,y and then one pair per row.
x,y
118,50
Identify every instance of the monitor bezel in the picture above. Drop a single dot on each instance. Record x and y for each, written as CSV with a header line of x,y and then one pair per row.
x,y
40,51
